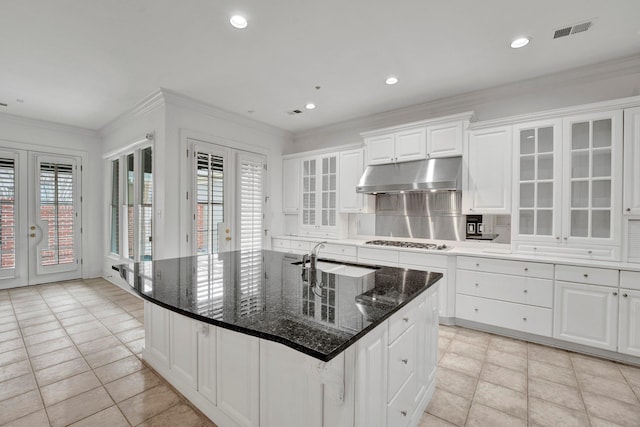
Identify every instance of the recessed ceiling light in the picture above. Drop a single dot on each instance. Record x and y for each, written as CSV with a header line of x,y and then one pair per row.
x,y
238,21
391,80
520,42
310,106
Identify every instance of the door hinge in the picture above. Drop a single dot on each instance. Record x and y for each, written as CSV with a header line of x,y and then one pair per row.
x,y
265,275
187,238
81,261
187,152
80,230
80,199
187,195
80,168
265,166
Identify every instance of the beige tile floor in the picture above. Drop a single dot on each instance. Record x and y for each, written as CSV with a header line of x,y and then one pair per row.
x,y
70,355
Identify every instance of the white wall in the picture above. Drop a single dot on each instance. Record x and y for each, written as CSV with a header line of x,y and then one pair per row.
x,y
600,82
28,134
190,117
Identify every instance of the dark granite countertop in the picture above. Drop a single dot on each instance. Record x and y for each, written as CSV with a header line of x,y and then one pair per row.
x,y
264,294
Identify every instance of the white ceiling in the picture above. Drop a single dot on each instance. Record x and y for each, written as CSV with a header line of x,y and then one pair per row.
x,y
84,62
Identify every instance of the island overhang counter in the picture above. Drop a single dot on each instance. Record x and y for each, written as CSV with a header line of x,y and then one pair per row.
x,y
250,341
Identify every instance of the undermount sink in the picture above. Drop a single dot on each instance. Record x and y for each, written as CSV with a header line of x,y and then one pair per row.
x,y
341,269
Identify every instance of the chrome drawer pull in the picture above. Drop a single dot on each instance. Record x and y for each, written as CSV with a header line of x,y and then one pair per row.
x,y
615,294
404,413
586,275
405,361
625,295
406,319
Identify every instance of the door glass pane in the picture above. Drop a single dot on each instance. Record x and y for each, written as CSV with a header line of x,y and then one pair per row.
x,y
601,163
601,223
580,135
527,169
580,194
209,201
527,195
545,140
580,164
115,206
545,222
146,205
579,223
130,199
526,221
602,133
7,213
601,194
58,212
545,195
527,141
545,166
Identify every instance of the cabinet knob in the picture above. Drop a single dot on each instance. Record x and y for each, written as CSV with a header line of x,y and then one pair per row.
x,y
525,291
586,275
405,361
524,319
526,269
404,413
476,309
628,209
558,238
625,295
589,252
406,319
566,238
477,265
615,294
477,285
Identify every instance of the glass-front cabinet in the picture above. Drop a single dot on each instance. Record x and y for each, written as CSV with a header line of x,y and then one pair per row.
x,y
569,185
319,196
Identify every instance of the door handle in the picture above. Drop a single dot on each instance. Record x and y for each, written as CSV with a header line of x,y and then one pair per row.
x,y
33,227
32,235
227,238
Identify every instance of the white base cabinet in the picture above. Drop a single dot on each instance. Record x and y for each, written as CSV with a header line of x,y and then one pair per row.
x,y
629,332
386,379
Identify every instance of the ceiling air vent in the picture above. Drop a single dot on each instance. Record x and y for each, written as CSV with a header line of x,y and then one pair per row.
x,y
572,29
2,104
294,112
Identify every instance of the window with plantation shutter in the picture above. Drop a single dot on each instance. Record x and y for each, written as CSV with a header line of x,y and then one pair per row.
x,y
115,206
209,194
145,205
7,213
251,217
57,210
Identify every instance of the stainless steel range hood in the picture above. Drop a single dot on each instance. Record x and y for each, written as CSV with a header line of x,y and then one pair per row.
x,y
421,175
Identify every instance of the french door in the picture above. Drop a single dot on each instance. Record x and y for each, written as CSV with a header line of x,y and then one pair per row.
x,y
40,217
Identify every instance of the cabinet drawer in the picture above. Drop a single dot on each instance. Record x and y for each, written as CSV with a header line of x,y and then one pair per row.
x,y
280,244
401,407
402,320
402,354
342,250
525,318
421,261
378,256
630,279
588,275
516,268
523,290
300,245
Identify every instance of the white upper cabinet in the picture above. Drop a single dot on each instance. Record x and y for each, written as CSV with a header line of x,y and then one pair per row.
x,y
445,140
631,202
320,196
537,171
592,178
291,185
441,137
487,177
351,169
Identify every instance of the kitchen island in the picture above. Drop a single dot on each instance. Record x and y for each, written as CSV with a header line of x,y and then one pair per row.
x,y
250,341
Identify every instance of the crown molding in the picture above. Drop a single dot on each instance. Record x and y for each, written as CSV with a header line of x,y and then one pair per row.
x,y
44,124
466,116
175,98
466,101
149,103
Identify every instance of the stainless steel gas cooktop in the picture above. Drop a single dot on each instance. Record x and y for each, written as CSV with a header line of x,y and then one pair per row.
x,y
415,245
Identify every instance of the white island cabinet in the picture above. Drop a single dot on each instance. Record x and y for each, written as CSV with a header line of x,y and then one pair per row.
x,y
386,378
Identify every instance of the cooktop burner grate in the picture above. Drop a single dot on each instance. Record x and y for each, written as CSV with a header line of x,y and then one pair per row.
x,y
400,244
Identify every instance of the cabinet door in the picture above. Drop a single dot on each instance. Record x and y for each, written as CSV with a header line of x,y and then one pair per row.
x,y
411,145
290,396
351,169
592,178
444,140
207,365
632,161
328,202
537,164
156,334
238,386
488,178
309,192
184,350
371,378
291,185
380,149
586,314
630,322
